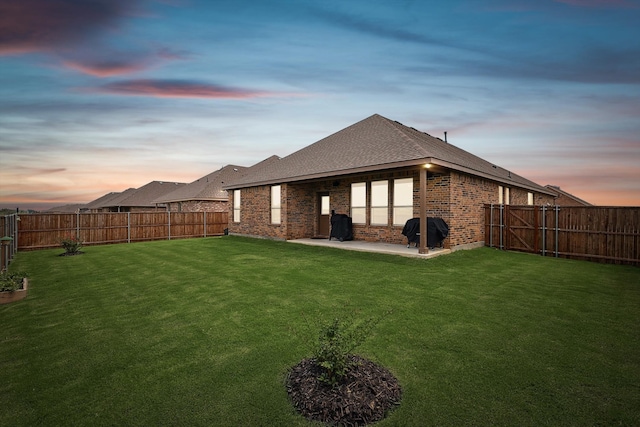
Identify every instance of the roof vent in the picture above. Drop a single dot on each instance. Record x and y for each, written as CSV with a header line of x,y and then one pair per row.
x,y
445,137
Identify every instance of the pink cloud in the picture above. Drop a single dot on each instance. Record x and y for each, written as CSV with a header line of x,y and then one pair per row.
x,y
44,25
109,63
106,68
180,89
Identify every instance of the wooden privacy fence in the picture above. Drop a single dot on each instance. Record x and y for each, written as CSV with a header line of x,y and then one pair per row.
x,y
9,239
40,231
593,233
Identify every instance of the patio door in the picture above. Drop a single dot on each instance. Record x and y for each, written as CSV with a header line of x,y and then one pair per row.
x,y
324,216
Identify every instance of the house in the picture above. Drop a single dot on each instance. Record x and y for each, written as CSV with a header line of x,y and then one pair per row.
x,y
202,195
71,208
566,199
104,203
381,173
133,199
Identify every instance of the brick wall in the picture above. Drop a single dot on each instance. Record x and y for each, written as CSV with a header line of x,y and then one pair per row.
x,y
255,214
455,197
199,206
466,218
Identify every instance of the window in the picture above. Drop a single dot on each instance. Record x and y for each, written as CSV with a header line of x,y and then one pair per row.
x,y
275,205
402,200
530,198
380,202
236,205
324,205
503,195
359,202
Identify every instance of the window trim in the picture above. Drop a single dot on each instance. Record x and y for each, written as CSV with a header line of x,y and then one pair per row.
x,y
361,208
236,205
396,203
276,205
385,199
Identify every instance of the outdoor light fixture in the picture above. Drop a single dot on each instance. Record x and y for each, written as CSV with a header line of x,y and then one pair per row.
x,y
427,165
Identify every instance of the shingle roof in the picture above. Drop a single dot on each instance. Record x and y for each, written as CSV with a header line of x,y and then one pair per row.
x,y
145,195
209,187
373,144
71,208
108,199
561,192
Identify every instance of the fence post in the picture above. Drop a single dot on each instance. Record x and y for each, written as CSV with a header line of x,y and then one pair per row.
x,y
536,231
557,211
501,229
204,231
128,227
491,225
169,222
544,230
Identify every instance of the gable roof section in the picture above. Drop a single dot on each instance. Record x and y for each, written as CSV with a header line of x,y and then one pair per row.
x,y
374,144
145,195
561,192
108,199
209,187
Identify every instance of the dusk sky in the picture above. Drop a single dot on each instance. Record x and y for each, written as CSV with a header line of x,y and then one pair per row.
x,y
104,95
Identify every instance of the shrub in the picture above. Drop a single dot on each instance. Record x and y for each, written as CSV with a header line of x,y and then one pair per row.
x,y
10,282
71,244
336,342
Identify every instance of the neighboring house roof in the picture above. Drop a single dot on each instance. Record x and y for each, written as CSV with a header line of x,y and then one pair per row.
x,y
107,199
560,192
209,187
374,144
145,195
72,208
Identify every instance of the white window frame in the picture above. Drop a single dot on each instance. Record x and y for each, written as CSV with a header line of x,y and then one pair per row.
x,y
402,200
359,203
276,204
506,196
380,202
500,194
530,198
236,205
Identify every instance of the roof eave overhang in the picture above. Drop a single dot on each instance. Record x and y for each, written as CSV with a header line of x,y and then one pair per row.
x,y
388,166
192,199
508,181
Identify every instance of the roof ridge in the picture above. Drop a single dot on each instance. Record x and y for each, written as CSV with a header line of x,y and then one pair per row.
x,y
403,131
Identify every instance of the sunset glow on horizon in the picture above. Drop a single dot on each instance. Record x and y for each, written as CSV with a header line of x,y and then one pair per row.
x,y
104,95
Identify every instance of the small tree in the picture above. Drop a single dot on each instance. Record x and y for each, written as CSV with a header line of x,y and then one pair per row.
x,y
71,244
336,342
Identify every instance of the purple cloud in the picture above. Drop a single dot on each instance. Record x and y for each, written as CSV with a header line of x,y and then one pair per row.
x,y
45,25
181,89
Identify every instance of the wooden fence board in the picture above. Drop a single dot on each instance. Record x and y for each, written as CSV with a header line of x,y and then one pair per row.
x,y
40,231
594,233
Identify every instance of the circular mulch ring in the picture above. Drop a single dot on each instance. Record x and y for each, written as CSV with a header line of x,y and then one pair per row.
x,y
366,394
71,253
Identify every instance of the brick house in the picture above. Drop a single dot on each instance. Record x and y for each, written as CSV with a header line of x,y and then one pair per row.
x,y
202,195
133,199
566,199
381,173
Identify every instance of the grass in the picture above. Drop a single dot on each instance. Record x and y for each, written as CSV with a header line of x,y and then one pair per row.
x,y
202,332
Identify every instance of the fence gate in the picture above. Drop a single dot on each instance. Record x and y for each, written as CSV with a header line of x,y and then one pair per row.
x,y
594,233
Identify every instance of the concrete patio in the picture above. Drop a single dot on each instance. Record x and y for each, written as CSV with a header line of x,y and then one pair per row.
x,y
374,247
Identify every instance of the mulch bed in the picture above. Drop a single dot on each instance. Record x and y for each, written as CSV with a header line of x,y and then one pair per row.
x,y
71,253
366,394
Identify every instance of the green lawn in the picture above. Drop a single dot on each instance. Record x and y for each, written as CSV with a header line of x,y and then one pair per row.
x,y
202,332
